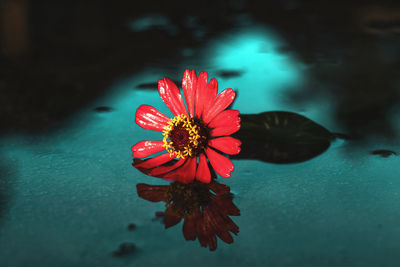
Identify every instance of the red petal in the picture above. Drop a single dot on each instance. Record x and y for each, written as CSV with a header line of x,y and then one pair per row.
x,y
203,172
216,228
228,224
225,130
154,162
159,171
146,148
201,230
189,228
210,94
201,92
184,174
225,123
222,165
219,189
189,86
223,100
225,118
154,193
220,225
170,220
150,118
171,96
225,203
207,230
226,144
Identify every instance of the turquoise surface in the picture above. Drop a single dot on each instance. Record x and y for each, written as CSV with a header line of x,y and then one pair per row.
x,y
70,194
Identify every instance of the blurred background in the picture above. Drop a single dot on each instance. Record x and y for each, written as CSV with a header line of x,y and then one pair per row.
x,y
57,56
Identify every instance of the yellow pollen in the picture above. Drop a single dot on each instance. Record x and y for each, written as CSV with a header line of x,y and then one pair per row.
x,y
186,124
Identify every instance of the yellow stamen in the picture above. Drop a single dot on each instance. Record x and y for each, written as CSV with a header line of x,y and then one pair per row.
x,y
187,125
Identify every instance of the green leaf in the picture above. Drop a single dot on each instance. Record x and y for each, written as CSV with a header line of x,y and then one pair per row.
x,y
281,137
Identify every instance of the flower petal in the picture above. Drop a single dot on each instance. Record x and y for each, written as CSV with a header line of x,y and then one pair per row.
x,y
227,222
209,217
211,93
220,224
223,100
150,118
219,189
189,228
201,231
189,86
154,162
171,220
160,171
205,94
203,172
184,174
153,193
225,118
226,144
146,148
225,203
222,165
205,231
225,123
171,96
201,92
221,131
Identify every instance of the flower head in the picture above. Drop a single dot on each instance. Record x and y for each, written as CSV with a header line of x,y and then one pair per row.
x,y
193,135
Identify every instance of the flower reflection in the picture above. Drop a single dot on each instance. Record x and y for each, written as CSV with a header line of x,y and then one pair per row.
x,y
205,209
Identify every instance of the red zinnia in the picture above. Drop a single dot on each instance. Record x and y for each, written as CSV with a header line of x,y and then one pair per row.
x,y
193,133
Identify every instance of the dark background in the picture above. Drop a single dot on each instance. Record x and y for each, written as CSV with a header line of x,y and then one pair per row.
x,y
58,56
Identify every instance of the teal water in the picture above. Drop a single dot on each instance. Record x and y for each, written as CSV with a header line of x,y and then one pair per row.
x,y
70,195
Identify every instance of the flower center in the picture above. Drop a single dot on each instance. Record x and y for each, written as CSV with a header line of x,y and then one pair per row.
x,y
184,137
184,199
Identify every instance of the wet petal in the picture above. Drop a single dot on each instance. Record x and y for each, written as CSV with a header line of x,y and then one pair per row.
x,y
146,148
201,230
210,94
201,92
220,225
229,225
171,96
225,123
184,174
189,86
154,162
225,203
170,220
226,144
221,164
150,118
221,131
208,230
219,189
154,193
189,228
223,100
206,93
225,118
203,172
160,171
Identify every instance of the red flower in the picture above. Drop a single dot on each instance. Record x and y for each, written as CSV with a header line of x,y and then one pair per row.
x,y
205,214
193,135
